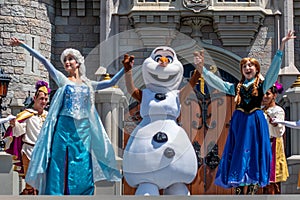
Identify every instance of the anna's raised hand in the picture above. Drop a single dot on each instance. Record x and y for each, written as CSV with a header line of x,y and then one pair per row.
x,y
199,60
288,37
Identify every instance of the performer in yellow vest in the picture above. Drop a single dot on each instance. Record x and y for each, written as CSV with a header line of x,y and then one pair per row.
x,y
24,131
279,168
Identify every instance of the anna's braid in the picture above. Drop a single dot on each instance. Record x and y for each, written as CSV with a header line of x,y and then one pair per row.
x,y
255,85
237,98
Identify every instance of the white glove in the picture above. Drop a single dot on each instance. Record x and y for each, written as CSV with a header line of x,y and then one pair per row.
x,y
6,119
291,124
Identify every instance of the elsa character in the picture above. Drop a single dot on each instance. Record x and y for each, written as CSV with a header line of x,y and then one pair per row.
x,y
73,150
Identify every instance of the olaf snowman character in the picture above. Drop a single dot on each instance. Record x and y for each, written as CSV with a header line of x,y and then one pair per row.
x,y
159,154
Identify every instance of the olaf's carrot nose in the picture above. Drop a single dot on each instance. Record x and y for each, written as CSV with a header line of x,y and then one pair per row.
x,y
164,60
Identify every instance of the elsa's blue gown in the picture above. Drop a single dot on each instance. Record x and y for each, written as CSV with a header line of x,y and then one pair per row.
x,y
246,157
73,150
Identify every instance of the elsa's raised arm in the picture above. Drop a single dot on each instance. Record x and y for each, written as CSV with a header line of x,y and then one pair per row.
x,y
98,85
51,69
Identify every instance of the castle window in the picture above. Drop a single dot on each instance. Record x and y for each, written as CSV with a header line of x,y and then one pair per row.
x,y
32,64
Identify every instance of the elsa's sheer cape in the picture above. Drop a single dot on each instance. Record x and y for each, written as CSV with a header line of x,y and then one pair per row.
x,y
103,156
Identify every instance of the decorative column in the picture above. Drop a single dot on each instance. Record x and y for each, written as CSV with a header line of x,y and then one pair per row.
x,y
290,186
293,96
9,179
289,50
110,104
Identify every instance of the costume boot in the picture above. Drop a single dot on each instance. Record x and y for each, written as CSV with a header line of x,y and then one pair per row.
x,y
252,189
277,188
239,190
29,191
268,189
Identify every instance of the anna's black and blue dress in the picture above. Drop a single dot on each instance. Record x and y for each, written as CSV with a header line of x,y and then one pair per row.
x,y
246,157
73,150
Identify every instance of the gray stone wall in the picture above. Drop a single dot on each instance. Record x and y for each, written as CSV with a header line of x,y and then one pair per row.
x,y
78,30
30,21
49,27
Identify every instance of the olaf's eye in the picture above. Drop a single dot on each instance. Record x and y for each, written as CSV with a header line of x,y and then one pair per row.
x,y
170,59
157,58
